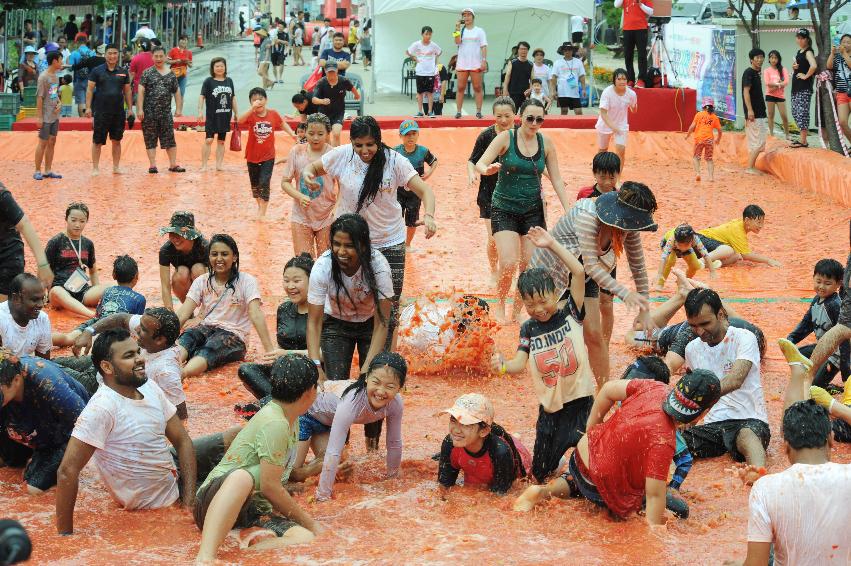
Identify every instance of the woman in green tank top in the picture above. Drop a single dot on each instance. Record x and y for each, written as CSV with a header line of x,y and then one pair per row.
x,y
520,157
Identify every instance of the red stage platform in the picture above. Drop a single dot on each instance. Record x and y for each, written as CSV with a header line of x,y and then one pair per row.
x,y
663,110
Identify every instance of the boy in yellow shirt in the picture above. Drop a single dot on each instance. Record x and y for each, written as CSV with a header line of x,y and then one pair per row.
x,y
66,96
728,242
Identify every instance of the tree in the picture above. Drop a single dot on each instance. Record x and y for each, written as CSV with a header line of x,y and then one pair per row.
x,y
748,12
821,11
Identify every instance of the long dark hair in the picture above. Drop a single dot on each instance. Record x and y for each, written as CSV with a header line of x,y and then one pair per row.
x,y
303,261
779,65
391,360
358,230
367,127
227,240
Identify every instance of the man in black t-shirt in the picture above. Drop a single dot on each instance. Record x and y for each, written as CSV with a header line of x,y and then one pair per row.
x,y
330,97
107,94
757,121
518,75
14,224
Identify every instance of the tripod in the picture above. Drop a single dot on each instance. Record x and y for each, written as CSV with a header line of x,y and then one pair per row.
x,y
659,53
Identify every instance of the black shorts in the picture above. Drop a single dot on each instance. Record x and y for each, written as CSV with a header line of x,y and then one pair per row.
x,y
769,98
250,515
9,271
336,117
711,244
158,128
485,198
567,102
425,84
555,433
209,451
410,204
504,221
592,289
278,58
719,438
576,37
40,465
111,125
260,175
210,135
216,345
518,97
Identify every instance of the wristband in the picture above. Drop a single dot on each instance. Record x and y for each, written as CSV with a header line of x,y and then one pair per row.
x,y
43,264
456,34
317,363
503,369
90,329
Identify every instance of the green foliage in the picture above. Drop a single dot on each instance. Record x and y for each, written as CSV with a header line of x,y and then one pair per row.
x,y
612,14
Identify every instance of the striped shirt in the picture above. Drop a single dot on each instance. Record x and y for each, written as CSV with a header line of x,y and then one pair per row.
x,y
578,231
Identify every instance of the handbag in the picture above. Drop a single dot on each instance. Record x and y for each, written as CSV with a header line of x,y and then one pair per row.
x,y
235,138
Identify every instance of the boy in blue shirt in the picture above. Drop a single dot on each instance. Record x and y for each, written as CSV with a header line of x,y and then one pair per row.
x,y
419,156
823,315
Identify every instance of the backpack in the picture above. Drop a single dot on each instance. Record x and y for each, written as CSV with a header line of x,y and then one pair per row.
x,y
81,69
521,454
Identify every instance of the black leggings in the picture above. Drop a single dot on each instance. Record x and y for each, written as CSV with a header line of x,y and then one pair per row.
x,y
635,39
825,373
256,378
338,342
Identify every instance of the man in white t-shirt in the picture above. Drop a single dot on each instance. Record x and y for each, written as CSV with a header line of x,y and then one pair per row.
x,y
425,53
24,326
738,423
128,412
156,331
567,78
805,510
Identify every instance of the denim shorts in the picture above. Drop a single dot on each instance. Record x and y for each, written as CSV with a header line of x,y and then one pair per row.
x,y
308,426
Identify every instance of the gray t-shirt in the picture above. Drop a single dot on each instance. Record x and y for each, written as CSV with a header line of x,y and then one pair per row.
x,y
48,90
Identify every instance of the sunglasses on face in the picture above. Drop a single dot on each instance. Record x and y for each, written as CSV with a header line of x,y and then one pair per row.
x,y
534,119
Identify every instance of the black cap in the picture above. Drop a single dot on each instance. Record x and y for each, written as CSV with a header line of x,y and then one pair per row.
x,y
694,393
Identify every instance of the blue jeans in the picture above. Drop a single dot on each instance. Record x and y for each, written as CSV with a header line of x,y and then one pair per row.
x,y
181,84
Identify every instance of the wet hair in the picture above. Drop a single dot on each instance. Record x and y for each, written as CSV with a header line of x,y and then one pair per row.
x,y
619,73
303,261
755,52
169,324
157,48
390,360
829,268
53,56
753,212
426,29
538,50
213,62
537,82
806,425
535,281
257,91
301,97
292,375
317,118
10,366
530,102
696,298
367,127
358,230
606,162
124,269
301,127
524,44
102,347
227,240
779,65
684,234
16,285
81,206
504,101
648,367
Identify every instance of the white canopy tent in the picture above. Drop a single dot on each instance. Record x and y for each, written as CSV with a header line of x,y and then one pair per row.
x,y
397,24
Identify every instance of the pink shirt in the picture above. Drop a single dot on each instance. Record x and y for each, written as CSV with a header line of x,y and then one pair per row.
x,y
771,76
226,308
320,213
139,64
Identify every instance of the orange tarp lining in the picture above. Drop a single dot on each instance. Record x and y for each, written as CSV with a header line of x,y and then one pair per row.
x,y
373,520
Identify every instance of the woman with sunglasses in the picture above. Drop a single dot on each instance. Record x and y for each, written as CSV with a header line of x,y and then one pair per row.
x,y
521,157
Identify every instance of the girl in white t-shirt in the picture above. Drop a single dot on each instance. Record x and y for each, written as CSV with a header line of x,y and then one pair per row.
x,y
615,103
368,174
228,304
472,59
313,209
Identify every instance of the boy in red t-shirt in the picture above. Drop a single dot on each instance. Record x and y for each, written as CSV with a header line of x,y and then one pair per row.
x,y
261,123
704,141
623,462
606,168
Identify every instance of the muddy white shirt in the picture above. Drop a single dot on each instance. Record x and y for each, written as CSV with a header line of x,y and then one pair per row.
x,y
384,214
225,308
804,510
29,340
132,454
162,367
746,402
353,302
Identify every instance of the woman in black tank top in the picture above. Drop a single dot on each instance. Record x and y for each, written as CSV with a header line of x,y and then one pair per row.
x,y
804,68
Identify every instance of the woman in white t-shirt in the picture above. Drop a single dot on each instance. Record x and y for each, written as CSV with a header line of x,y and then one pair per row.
x,y
472,59
615,103
368,174
228,304
541,70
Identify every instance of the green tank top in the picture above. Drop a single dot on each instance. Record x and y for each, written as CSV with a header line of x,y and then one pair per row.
x,y
518,187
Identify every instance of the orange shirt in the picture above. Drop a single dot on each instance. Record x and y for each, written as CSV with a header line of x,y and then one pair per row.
x,y
704,123
261,135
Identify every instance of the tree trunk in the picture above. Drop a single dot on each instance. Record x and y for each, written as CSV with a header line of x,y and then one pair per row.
x,y
828,120
820,15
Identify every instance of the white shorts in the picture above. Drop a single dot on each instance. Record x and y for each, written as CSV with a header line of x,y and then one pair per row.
x,y
757,132
603,139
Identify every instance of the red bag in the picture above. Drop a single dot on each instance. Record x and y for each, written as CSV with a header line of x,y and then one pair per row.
x,y
235,138
314,77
